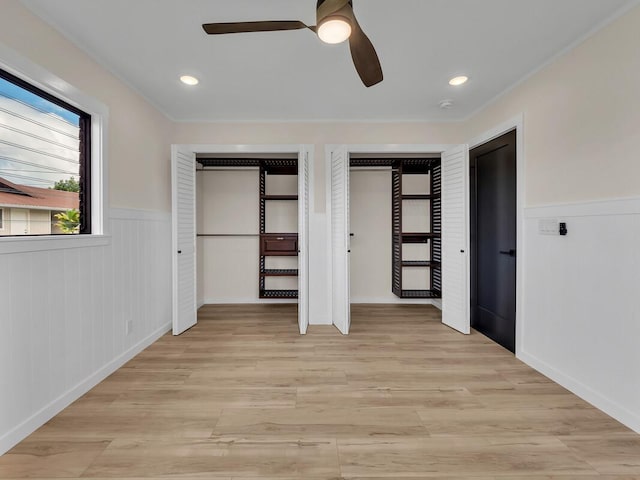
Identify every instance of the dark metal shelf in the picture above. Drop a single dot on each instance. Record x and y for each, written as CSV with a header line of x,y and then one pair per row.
x,y
278,293
420,196
420,263
420,294
432,270
280,167
279,272
418,237
279,197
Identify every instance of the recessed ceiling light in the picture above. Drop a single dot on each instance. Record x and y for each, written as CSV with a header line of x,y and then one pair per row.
x,y
446,104
457,81
189,80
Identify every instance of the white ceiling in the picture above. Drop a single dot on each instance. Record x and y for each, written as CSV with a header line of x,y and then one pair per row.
x,y
294,76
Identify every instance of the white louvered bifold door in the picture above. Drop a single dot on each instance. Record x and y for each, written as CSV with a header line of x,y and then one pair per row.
x,y
455,239
340,239
303,241
183,188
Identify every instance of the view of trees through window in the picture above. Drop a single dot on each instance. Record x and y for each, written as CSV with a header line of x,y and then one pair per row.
x,y
43,159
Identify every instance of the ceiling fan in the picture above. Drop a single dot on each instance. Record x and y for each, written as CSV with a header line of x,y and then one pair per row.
x,y
336,23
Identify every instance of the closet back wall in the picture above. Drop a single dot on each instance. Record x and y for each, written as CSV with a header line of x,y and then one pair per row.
x,y
227,204
370,223
228,266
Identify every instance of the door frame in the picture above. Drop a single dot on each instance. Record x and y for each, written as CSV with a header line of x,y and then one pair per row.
x,y
516,123
373,148
298,149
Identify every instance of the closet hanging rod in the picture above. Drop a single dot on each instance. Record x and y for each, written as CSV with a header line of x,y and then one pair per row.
x,y
371,169
226,169
228,235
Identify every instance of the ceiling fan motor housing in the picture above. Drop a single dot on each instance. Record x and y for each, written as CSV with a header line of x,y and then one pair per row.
x,y
332,9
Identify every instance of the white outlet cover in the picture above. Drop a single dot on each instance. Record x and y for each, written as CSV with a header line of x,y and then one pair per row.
x,y
548,226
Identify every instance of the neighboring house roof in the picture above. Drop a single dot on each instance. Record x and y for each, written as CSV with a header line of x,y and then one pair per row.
x,y
21,196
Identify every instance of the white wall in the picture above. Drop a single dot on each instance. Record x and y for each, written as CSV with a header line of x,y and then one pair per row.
x,y
199,244
68,310
582,321
370,218
581,136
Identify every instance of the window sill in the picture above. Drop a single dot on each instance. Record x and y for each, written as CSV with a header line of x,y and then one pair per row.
x,y
51,242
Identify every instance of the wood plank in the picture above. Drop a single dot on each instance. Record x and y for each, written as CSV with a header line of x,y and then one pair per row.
x,y
488,421
330,422
44,458
459,457
218,457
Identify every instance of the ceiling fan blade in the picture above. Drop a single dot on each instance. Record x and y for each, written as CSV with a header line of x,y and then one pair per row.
x,y
364,56
246,27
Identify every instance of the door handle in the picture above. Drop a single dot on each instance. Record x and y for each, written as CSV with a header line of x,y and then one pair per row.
x,y
179,252
511,253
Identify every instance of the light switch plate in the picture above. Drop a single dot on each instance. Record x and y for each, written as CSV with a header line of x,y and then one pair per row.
x,y
548,226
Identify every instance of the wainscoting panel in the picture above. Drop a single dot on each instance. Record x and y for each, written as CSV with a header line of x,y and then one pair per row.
x,y
581,319
70,317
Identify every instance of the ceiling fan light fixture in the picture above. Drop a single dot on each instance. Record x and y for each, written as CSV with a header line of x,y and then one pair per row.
x,y
334,29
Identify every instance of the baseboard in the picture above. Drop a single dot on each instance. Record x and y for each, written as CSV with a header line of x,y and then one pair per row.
x,y
248,301
26,428
608,406
321,321
392,300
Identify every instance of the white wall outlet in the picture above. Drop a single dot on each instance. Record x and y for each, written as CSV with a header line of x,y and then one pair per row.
x,y
129,326
548,226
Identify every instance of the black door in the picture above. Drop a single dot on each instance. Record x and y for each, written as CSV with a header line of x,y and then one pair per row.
x,y
493,239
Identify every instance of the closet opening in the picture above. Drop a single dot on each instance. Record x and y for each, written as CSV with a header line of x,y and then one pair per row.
x,y
394,223
248,245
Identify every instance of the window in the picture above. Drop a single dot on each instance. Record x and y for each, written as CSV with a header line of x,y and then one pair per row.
x,y
1,219
45,162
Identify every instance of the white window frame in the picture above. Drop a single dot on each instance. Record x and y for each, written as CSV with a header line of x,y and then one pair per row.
x,y
20,66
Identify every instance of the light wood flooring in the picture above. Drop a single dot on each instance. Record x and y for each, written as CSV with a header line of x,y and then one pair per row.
x,y
242,396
